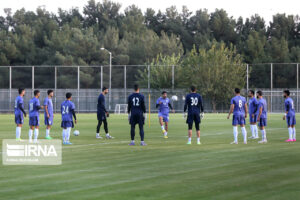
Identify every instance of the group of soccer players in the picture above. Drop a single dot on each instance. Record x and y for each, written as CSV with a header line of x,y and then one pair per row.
x,y
258,113
137,110
67,113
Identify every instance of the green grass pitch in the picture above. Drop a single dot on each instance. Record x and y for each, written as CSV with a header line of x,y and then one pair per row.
x,y
165,169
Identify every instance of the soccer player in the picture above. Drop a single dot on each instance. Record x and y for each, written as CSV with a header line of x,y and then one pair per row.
x,y
194,105
262,116
34,121
102,114
136,112
253,111
289,116
163,103
67,110
48,114
239,109
19,112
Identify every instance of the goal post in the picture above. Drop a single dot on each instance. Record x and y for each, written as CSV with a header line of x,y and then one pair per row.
x,y
121,109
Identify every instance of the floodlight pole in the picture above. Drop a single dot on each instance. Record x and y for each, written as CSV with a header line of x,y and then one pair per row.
x,y
110,60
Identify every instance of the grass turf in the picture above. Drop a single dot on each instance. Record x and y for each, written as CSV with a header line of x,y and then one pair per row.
x,y
165,169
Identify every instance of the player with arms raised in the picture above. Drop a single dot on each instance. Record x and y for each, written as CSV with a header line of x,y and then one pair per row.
x,y
164,105
262,116
136,111
67,109
19,112
289,116
34,121
194,105
48,105
239,109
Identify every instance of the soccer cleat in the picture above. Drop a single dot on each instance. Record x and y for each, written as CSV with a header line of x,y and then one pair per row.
x,y
251,137
19,139
189,142
30,140
163,131
256,137
289,140
68,143
48,138
294,140
109,137
166,137
143,143
98,137
64,142
262,141
234,142
198,142
131,144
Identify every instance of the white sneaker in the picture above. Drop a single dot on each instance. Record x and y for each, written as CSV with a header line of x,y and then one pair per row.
x,y
256,137
262,141
98,137
109,137
251,137
30,140
234,142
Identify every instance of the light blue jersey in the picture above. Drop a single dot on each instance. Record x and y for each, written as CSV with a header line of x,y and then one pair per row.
x,y
163,108
289,107
262,103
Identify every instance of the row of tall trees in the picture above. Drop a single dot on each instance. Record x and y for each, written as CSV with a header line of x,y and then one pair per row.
x,y
71,37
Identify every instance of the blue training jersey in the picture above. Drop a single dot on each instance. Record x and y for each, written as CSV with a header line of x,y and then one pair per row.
x,y
194,103
164,106
239,103
49,104
289,106
34,107
253,103
67,108
19,105
262,103
136,103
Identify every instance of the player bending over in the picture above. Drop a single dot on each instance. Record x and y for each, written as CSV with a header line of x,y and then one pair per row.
x,y
102,114
48,114
19,112
136,111
289,116
67,110
262,116
34,121
163,103
194,105
239,109
253,111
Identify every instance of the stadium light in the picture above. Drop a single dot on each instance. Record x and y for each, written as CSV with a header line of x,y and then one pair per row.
x,y
110,57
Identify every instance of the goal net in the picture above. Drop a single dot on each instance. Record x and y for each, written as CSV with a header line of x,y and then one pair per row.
x,y
121,109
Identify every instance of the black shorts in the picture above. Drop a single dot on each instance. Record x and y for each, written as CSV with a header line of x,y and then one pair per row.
x,y
137,118
101,116
194,117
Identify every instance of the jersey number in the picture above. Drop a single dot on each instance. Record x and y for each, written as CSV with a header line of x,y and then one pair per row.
x,y
194,101
65,110
16,104
240,103
136,101
31,106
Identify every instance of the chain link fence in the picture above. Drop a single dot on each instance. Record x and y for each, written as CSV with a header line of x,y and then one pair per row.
x,y
85,83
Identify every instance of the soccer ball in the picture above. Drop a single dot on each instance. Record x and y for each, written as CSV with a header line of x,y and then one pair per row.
x,y
174,98
76,133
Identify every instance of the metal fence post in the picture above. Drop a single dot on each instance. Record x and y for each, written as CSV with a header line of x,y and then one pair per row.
x,y
32,81
148,78
78,87
247,77
173,78
10,86
271,87
125,84
297,87
55,87
101,76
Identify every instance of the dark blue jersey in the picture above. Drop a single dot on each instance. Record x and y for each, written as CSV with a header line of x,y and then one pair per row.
x,y
193,103
136,103
101,104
